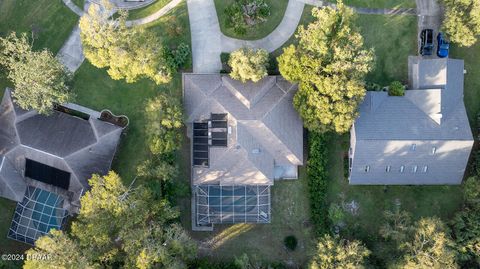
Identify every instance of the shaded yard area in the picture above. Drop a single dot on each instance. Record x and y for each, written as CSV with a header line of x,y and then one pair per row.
x,y
263,242
277,10
471,92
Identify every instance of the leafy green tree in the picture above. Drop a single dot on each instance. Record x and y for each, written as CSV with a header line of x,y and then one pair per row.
x,y
56,250
462,21
335,253
121,227
248,64
157,169
330,64
164,120
40,80
129,53
466,231
466,226
397,227
430,246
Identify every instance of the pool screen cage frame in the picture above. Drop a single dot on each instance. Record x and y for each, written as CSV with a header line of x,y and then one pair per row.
x,y
33,218
217,204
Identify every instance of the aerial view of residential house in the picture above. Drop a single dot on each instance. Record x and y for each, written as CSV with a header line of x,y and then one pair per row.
x,y
46,161
244,136
423,137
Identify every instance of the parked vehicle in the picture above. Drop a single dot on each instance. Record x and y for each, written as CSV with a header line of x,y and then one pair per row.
x,y
443,46
426,39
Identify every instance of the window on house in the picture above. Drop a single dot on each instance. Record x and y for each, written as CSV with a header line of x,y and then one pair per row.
x,y
402,168
414,168
387,169
367,168
434,149
425,169
414,147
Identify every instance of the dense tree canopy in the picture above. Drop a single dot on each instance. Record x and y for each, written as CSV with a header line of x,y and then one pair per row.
x,y
121,227
129,53
164,119
466,225
40,80
462,21
429,247
333,253
248,64
330,64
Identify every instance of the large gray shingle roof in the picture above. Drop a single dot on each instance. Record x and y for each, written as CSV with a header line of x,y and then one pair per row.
x,y
413,116
423,137
262,119
81,147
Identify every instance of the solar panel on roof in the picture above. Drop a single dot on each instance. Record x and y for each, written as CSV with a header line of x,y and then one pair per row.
x,y
218,116
200,148
219,135
232,204
47,174
219,124
219,143
38,213
200,125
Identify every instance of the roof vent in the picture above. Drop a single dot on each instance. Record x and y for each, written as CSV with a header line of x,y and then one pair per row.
x,y
256,151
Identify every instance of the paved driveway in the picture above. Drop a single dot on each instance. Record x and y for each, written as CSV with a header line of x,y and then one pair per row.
x,y
429,17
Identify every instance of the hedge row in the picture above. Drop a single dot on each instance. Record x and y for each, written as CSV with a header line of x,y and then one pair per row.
x,y
317,181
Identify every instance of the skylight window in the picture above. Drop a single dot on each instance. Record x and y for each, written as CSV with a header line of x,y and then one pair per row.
x,y
387,169
402,168
425,169
434,149
414,146
414,168
367,168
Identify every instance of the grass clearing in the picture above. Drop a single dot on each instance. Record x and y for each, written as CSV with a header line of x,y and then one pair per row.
x,y
471,91
148,10
277,10
264,242
394,39
51,21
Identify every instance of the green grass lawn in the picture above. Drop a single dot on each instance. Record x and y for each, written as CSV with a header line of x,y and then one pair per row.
x,y
79,3
51,21
264,242
394,39
380,3
146,11
277,10
472,81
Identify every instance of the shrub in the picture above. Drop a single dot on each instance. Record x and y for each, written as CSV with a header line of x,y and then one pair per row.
x,y
248,64
243,14
290,242
317,181
396,88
